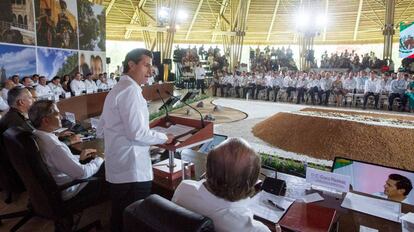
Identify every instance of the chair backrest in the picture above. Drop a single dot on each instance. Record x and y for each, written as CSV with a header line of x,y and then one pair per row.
x,y
45,199
9,179
157,214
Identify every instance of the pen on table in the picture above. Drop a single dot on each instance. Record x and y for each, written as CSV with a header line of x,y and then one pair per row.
x,y
276,205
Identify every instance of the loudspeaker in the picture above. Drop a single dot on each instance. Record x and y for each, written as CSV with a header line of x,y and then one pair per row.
x,y
156,58
274,186
108,60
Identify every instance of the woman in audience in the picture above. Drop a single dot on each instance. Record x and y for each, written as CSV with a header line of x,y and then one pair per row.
x,y
338,90
65,83
232,171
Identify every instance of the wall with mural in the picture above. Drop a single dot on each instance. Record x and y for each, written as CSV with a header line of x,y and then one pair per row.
x,y
51,37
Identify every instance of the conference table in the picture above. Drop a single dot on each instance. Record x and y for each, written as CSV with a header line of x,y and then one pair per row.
x,y
91,105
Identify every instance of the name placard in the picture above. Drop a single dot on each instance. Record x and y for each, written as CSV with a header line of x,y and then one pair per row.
x,y
329,180
89,91
70,117
94,123
67,95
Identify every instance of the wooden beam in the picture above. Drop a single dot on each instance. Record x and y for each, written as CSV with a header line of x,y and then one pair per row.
x,y
273,20
326,17
358,19
134,18
108,9
194,19
223,8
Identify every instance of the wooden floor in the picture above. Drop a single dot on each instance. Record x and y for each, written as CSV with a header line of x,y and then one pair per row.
x,y
100,212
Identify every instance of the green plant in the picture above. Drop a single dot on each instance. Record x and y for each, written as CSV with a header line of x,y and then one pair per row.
x,y
171,109
289,166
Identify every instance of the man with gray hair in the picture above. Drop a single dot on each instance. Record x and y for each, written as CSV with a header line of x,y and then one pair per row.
x,y
20,100
64,166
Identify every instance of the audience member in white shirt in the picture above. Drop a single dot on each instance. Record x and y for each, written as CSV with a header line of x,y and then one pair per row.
x,y
27,82
111,80
55,86
125,125
8,84
90,84
43,91
77,86
200,75
102,83
232,170
62,164
16,80
3,105
371,89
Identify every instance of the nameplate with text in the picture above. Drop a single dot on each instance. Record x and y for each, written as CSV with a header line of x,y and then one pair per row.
x,y
67,95
328,180
70,117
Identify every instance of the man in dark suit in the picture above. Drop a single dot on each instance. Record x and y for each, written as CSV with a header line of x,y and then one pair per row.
x,y
20,100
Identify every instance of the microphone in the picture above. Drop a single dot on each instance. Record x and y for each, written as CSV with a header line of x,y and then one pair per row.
x,y
163,105
185,103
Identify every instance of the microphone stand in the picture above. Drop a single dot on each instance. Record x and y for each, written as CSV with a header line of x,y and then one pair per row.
x,y
167,117
185,103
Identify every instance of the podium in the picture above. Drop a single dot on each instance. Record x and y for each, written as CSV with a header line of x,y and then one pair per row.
x,y
169,173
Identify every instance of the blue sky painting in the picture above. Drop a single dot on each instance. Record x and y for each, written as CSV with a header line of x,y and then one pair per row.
x,y
18,60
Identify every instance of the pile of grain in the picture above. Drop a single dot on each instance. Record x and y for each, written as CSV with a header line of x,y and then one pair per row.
x,y
325,138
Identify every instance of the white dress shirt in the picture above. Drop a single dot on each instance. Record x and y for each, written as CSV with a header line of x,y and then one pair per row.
x,y
350,84
91,86
3,105
102,85
43,91
370,86
227,216
4,93
56,89
111,82
63,165
125,126
77,86
200,73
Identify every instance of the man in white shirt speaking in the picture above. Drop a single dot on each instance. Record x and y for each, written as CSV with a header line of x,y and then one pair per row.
x,y
125,125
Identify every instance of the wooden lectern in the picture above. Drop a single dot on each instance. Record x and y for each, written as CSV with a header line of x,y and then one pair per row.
x,y
168,173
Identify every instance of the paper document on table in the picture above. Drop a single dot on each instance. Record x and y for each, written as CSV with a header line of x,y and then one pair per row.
x,y
176,130
269,206
314,197
377,207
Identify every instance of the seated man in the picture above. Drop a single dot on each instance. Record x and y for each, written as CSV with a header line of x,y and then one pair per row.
x,y
62,164
19,99
232,171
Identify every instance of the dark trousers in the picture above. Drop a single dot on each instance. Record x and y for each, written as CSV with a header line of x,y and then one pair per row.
x,y
215,87
289,92
258,88
391,98
275,91
200,85
123,195
301,95
312,92
376,97
94,193
251,87
321,93
237,88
